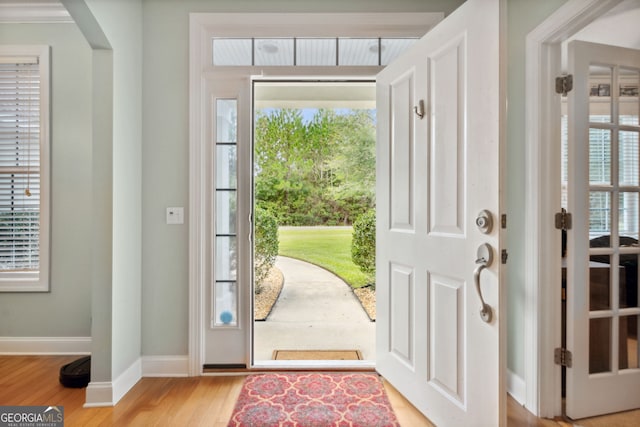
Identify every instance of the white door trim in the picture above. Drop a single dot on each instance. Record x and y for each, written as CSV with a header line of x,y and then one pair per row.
x,y
202,27
542,317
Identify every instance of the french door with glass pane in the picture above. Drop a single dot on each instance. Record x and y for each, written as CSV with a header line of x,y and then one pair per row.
x,y
602,255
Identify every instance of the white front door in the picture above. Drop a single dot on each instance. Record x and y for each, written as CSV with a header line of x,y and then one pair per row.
x,y
604,197
439,151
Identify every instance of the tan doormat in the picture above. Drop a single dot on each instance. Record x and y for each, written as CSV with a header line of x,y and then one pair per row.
x,y
317,355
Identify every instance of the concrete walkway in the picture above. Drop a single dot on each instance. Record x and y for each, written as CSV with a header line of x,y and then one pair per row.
x,y
316,310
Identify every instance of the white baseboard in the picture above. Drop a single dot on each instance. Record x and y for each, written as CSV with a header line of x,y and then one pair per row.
x,y
127,380
101,394
516,387
165,366
45,345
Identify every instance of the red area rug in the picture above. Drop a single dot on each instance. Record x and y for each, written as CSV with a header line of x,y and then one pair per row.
x,y
313,400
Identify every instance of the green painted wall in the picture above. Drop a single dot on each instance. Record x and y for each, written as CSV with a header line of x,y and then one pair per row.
x,y
523,16
160,168
66,310
165,161
121,22
165,154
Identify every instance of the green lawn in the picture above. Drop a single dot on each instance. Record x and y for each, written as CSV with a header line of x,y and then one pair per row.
x,y
327,247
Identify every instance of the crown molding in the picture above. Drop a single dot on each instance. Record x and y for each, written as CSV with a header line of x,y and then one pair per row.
x,y
33,12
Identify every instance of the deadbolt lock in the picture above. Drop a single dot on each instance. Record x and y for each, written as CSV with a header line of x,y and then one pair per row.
x,y
484,222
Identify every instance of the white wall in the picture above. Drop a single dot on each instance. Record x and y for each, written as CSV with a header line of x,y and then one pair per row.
x,y
66,310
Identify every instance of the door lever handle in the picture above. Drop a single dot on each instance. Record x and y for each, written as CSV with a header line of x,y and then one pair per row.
x,y
484,259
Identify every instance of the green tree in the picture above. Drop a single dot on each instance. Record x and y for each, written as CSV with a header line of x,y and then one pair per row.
x,y
280,161
355,165
315,172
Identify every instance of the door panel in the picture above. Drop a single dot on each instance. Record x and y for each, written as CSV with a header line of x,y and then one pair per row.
x,y
435,174
402,161
446,332
400,305
445,68
602,251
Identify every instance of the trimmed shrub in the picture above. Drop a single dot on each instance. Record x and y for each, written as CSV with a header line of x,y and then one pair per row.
x,y
363,244
266,245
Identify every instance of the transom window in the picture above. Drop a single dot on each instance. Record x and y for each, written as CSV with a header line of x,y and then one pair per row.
x,y
301,51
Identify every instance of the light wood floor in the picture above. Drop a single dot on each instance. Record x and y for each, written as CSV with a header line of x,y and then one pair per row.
x,y
31,380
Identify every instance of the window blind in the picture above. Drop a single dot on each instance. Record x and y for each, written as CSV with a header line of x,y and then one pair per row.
x,y
600,165
19,164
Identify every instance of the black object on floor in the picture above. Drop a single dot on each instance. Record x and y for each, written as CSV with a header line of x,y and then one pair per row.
x,y
77,373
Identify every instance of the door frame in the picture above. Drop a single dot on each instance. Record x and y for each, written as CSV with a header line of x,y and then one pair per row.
x,y
202,28
542,314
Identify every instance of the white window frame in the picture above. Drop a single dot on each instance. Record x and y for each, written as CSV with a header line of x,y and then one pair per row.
x,y
35,281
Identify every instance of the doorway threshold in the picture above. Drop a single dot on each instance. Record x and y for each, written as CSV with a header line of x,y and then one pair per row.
x,y
315,365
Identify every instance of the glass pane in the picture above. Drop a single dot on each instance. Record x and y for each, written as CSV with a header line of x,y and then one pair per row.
x,y
599,156
629,106
226,207
392,48
232,51
226,166
599,282
628,279
19,222
225,304
628,157
564,161
226,258
274,51
628,343
226,120
628,217
358,51
316,52
600,93
599,345
599,214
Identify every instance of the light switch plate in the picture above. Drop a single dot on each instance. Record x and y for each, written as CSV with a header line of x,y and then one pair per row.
x,y
175,215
